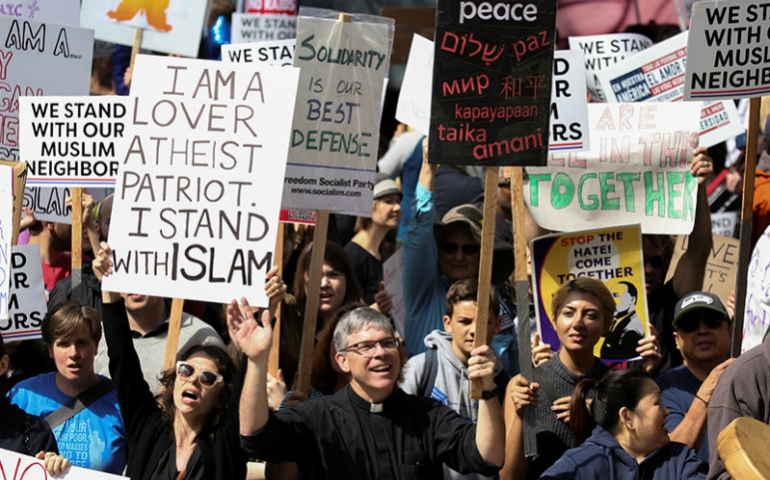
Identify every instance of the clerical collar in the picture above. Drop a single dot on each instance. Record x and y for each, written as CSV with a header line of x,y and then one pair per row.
x,y
376,407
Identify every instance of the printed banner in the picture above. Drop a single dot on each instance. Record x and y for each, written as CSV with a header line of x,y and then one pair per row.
x,y
658,75
65,12
612,255
288,7
199,191
278,53
413,107
253,27
170,26
73,141
39,59
756,319
492,83
721,266
637,171
603,51
27,300
728,50
6,236
22,467
335,137
569,109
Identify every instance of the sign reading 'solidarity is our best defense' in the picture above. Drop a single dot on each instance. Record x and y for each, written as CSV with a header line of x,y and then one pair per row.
x,y
637,171
728,50
27,300
492,82
198,190
335,137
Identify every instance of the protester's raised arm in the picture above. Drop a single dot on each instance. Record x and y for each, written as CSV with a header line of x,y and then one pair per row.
x,y
428,171
490,431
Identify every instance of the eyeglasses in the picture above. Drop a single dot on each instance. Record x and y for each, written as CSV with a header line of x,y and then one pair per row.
x,y
208,379
691,323
369,348
655,261
468,249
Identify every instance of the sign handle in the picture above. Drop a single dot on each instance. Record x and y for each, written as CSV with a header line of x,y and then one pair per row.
x,y
76,249
172,341
135,46
273,360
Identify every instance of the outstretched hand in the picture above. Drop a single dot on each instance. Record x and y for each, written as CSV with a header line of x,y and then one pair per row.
x,y
254,338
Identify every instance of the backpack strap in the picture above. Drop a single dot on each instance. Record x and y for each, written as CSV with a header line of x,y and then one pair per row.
x,y
429,373
82,401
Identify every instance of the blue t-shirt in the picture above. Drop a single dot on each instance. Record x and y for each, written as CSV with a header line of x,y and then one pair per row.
x,y
94,438
677,392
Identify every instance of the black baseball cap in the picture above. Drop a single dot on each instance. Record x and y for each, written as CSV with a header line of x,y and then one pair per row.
x,y
696,300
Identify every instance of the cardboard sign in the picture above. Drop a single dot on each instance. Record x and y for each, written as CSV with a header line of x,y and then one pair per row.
x,y
413,107
27,300
728,50
492,83
721,266
637,171
287,7
6,235
22,467
199,190
658,75
172,26
73,140
335,137
39,59
278,53
252,27
756,320
612,255
569,110
393,270
65,12
602,51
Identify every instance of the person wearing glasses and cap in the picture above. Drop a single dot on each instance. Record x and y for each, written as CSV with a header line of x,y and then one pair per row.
x,y
702,334
370,428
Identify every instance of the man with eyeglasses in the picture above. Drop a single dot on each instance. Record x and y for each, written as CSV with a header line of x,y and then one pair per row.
x,y
371,428
702,334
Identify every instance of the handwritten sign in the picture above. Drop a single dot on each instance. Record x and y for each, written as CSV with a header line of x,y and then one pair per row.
x,y
39,59
22,467
47,203
66,12
637,171
6,233
756,320
611,255
170,26
253,27
492,82
414,100
721,266
569,112
27,300
393,270
335,137
73,140
198,192
728,50
277,53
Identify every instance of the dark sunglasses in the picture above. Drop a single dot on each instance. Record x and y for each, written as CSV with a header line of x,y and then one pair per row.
x,y
692,322
656,261
467,249
208,379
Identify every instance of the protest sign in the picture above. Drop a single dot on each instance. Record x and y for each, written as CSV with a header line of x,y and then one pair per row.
x,y
721,266
393,269
602,51
335,136
657,75
254,27
756,319
27,300
73,141
492,83
287,7
728,50
6,234
173,26
23,467
637,171
300,217
198,192
725,224
39,59
277,53
47,203
612,255
413,107
569,110
65,12
19,170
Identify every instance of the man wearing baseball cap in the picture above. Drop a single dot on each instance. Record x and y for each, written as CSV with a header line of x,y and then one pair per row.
x,y
702,334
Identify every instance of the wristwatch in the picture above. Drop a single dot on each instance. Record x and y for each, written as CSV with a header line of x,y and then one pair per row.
x,y
489,394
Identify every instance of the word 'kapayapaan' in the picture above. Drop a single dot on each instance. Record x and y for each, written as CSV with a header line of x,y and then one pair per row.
x,y
498,11
343,56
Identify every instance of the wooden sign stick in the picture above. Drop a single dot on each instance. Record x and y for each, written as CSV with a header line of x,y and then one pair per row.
x,y
485,267
137,45
77,237
744,250
172,341
19,181
273,360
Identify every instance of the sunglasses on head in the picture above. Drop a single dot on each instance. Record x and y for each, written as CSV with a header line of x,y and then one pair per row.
x,y
185,371
692,322
468,249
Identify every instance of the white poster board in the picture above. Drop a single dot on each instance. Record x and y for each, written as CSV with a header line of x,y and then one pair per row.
x,y
413,107
756,320
171,26
256,27
65,12
277,53
393,270
23,467
73,141
39,59
27,296
637,171
335,136
48,203
6,234
569,108
199,191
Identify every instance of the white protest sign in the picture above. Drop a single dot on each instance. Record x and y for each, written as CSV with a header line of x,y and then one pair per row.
x,y
39,59
65,12
335,136
199,191
725,223
47,203
393,270
6,234
73,140
637,171
277,53
728,50
27,299
23,467
413,107
657,75
756,320
569,108
256,27
170,26
271,6
602,51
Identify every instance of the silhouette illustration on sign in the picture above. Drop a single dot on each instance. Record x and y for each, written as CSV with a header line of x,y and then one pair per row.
x,y
155,11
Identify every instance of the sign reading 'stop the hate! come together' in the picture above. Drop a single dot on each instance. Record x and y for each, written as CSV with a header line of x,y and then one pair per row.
x,y
199,189
492,82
